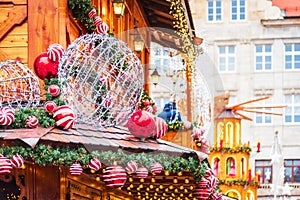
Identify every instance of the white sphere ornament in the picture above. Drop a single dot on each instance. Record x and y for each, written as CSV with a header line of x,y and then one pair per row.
x,y
19,87
104,79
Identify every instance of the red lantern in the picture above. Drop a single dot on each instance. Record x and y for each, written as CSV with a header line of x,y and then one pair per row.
x,y
5,166
64,117
115,176
142,172
44,67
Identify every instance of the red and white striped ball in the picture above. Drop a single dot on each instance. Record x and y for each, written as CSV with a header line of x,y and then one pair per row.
x,y
115,176
149,109
55,52
50,106
97,20
54,90
5,166
7,116
95,164
202,194
92,13
142,172
131,166
64,117
17,161
102,28
76,169
156,168
161,127
32,121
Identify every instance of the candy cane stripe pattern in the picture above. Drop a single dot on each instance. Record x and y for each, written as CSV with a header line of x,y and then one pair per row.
x,y
32,121
102,28
115,176
161,127
76,169
5,166
131,166
95,164
54,90
64,117
7,116
142,172
92,13
97,21
17,161
50,106
156,168
55,52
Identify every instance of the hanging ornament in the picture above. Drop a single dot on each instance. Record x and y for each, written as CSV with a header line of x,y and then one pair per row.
x,y
92,13
32,121
95,164
102,28
142,172
44,67
217,196
202,194
7,116
141,124
5,166
64,117
156,168
161,127
97,20
115,176
55,52
131,166
54,90
17,161
76,169
50,106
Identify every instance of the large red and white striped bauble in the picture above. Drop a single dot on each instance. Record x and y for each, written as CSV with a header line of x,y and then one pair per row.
x,y
55,52
5,166
202,194
7,116
102,28
97,20
54,90
17,161
64,117
142,172
32,121
50,106
92,13
161,127
131,166
156,168
76,169
95,164
115,176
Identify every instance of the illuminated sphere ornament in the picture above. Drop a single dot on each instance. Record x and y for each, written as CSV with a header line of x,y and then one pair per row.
x,y
104,79
142,172
7,116
131,166
76,169
17,161
5,166
156,168
19,87
115,176
95,164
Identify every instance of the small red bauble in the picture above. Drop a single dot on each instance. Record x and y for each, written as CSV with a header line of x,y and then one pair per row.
x,y
32,121
95,164
156,168
17,161
5,166
76,169
7,116
44,67
142,172
146,102
161,127
115,176
54,90
55,52
64,117
131,166
50,106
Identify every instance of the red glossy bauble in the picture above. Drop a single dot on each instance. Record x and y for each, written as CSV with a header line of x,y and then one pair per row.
x,y
44,67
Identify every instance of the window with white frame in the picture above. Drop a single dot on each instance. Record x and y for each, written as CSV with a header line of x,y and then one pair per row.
x,y
292,56
226,59
263,57
238,10
261,118
292,111
214,10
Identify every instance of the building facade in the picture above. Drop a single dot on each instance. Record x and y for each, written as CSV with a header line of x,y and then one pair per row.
x,y
253,50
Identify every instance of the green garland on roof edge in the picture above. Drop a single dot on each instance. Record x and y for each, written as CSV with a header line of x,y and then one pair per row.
x,y
64,156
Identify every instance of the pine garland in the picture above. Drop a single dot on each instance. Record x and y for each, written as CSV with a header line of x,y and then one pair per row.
x,y
238,149
64,156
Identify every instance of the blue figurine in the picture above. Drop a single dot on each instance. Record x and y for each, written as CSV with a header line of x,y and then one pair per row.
x,y
170,112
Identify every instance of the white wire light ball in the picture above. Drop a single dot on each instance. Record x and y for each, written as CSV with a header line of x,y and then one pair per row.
x,y
103,79
19,87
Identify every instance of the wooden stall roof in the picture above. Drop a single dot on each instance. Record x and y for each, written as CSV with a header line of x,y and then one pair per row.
x,y
110,138
161,21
